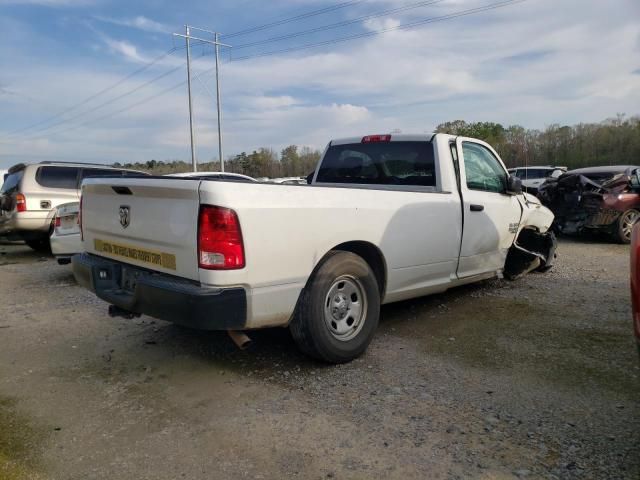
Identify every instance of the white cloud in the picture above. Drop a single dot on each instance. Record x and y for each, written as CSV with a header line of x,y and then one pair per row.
x,y
50,3
533,63
140,22
125,49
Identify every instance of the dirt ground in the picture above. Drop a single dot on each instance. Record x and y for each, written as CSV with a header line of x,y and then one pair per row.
x,y
537,378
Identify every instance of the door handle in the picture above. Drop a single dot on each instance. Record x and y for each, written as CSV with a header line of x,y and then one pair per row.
x,y
476,208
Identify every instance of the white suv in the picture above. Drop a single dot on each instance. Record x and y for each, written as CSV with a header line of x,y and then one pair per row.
x,y
31,193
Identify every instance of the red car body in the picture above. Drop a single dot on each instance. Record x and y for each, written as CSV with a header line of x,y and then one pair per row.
x,y
635,281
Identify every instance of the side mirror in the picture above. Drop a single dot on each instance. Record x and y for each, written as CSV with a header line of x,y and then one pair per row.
x,y
514,185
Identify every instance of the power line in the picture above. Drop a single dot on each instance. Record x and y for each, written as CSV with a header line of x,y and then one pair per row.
x,y
415,24
293,19
124,109
108,102
471,11
97,94
339,24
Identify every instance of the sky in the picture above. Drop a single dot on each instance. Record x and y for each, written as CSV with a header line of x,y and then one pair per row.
x,y
76,82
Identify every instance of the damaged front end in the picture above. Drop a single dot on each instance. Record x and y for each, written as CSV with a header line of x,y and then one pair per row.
x,y
589,199
532,250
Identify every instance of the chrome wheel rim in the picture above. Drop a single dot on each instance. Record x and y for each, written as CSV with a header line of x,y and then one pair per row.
x,y
345,308
628,221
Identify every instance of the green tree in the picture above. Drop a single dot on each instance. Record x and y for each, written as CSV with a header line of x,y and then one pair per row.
x,y
290,161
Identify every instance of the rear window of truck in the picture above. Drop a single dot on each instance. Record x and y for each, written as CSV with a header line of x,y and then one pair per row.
x,y
58,177
380,163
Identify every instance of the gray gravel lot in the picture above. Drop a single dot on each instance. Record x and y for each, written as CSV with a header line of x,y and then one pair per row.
x,y
537,378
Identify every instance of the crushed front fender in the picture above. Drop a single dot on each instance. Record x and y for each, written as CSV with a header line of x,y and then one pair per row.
x,y
532,250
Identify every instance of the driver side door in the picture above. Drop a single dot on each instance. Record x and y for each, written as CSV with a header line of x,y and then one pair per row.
x,y
490,216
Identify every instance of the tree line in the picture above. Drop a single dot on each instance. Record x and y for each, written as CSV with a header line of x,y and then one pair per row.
x,y
615,141
293,161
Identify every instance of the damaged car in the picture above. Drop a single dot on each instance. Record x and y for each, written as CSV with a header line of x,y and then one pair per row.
x,y
595,199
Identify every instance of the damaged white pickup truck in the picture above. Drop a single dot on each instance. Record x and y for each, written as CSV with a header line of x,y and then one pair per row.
x,y
386,218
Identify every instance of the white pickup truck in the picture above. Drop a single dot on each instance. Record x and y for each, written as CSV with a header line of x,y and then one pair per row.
x,y
386,218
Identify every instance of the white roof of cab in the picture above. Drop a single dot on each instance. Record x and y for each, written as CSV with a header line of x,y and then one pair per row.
x,y
395,137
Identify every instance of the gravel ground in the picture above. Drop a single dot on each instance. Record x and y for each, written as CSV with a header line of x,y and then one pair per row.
x,y
537,378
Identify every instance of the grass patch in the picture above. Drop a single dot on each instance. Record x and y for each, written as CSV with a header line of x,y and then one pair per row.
x,y
20,443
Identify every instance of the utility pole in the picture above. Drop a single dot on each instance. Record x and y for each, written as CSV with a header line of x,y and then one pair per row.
x,y
216,44
187,37
219,105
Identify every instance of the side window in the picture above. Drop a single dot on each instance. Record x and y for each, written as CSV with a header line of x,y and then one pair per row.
x,y
58,177
483,170
99,172
129,173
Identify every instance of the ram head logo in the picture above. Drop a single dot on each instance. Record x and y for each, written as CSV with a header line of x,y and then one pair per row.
x,y
125,215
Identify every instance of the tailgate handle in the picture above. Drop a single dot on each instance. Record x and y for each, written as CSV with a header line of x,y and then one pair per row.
x,y
122,190
476,208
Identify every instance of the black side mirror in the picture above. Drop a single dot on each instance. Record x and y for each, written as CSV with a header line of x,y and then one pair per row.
x,y
514,185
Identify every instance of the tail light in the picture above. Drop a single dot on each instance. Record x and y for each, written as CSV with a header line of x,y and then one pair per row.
x,y
376,138
58,222
220,245
21,202
80,219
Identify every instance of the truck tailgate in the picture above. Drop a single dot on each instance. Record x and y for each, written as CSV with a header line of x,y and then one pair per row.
x,y
147,222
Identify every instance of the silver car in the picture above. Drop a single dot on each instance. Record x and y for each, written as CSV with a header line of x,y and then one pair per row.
x,y
65,238
30,194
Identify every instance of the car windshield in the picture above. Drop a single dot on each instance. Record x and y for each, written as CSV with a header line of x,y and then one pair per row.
x,y
11,182
533,173
380,163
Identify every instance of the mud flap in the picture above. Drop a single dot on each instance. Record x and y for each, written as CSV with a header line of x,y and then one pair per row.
x,y
532,250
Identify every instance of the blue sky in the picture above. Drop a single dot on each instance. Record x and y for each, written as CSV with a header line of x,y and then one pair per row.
x,y
532,63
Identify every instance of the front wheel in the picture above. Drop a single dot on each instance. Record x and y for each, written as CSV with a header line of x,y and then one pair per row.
x,y
624,226
339,309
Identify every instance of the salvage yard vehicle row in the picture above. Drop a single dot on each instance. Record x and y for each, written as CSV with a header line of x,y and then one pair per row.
x,y
387,218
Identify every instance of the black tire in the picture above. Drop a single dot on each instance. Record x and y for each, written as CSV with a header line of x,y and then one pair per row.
x,y
623,227
315,335
40,244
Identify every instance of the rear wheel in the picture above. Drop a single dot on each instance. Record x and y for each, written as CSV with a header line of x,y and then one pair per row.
x,y
339,309
39,244
624,226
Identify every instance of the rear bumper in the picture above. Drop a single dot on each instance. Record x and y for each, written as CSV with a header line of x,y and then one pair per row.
x,y
25,223
66,245
161,296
